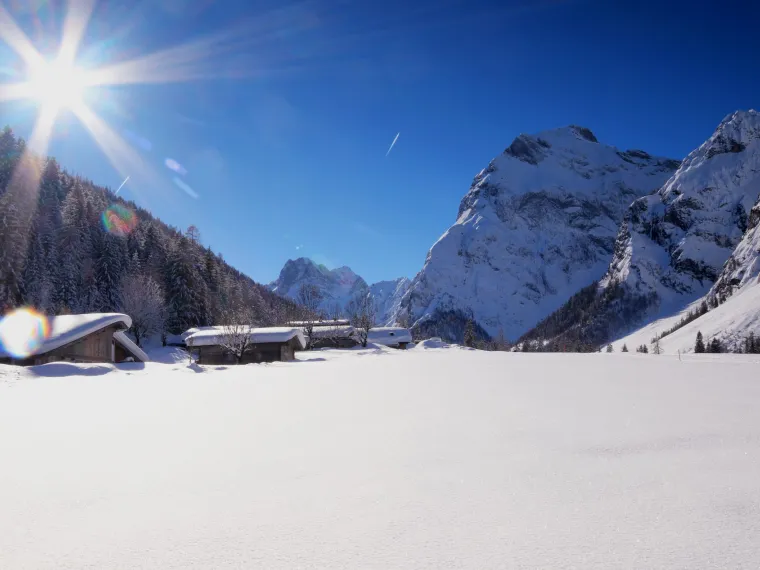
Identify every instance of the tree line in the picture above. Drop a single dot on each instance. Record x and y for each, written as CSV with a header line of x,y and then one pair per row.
x,y
60,253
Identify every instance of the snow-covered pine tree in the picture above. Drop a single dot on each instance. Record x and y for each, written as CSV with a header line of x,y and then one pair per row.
x,y
110,258
183,281
609,348
624,349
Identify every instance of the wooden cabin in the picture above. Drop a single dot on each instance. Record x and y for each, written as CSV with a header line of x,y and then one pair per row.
x,y
94,337
334,336
266,345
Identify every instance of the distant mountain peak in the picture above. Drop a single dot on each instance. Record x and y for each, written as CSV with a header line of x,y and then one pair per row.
x,y
338,286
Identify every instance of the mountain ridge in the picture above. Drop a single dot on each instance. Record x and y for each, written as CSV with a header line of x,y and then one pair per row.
x,y
537,224
338,287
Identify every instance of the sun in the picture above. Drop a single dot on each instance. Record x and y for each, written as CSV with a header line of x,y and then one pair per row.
x,y
57,85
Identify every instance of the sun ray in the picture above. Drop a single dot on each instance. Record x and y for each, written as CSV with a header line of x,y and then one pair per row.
x,y
17,40
15,91
122,157
74,25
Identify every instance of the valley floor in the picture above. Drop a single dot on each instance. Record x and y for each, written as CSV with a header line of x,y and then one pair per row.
x,y
429,458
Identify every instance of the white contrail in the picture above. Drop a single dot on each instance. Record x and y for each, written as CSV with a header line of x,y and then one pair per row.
x,y
122,184
392,144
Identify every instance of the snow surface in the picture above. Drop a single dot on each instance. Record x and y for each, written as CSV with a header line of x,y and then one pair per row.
x,y
69,328
213,336
538,224
380,459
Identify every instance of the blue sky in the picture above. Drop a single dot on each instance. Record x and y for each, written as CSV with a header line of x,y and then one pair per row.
x,y
283,129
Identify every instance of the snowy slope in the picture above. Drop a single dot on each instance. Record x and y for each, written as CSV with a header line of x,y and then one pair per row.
x,y
387,296
538,224
339,286
673,244
738,290
383,459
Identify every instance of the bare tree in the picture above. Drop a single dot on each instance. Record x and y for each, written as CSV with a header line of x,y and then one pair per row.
x,y
362,313
235,336
309,297
402,320
193,234
143,300
656,348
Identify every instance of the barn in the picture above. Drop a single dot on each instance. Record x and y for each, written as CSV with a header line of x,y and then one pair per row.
x,y
266,345
334,336
92,337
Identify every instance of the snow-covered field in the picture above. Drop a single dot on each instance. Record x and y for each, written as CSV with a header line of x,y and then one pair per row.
x,y
430,458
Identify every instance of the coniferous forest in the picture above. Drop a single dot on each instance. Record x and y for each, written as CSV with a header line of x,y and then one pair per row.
x,y
69,246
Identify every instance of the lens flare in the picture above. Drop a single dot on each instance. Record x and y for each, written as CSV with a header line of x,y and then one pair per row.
x,y
119,220
172,164
23,331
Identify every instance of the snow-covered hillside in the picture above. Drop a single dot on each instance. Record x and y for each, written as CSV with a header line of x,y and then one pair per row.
x,y
736,293
673,245
387,296
339,286
694,238
379,459
538,224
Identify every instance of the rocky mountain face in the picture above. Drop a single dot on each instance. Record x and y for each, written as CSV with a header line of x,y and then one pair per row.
x,y
538,224
338,287
697,236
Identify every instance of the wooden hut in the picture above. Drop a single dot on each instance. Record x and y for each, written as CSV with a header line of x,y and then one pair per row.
x,y
334,336
93,337
263,345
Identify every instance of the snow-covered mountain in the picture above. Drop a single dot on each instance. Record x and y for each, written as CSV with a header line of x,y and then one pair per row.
x,y
695,238
537,224
339,286
388,295
673,244
733,301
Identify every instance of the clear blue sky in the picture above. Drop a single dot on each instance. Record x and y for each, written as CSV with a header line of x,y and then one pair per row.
x,y
284,138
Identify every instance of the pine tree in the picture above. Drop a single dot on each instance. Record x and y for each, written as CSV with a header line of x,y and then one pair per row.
x,y
656,348
699,346
609,348
716,347
624,349
469,334
109,269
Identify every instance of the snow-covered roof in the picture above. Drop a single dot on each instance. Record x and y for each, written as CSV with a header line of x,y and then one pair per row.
x,y
333,331
257,336
66,329
389,335
316,324
127,343
194,330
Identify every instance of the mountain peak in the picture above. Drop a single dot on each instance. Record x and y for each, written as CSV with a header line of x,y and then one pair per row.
x,y
339,286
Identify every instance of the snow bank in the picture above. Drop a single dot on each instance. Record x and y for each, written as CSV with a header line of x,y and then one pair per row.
x,y
432,343
397,459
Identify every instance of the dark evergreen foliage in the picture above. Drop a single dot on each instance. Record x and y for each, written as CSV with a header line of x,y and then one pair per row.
x,y
56,255
699,345
588,320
